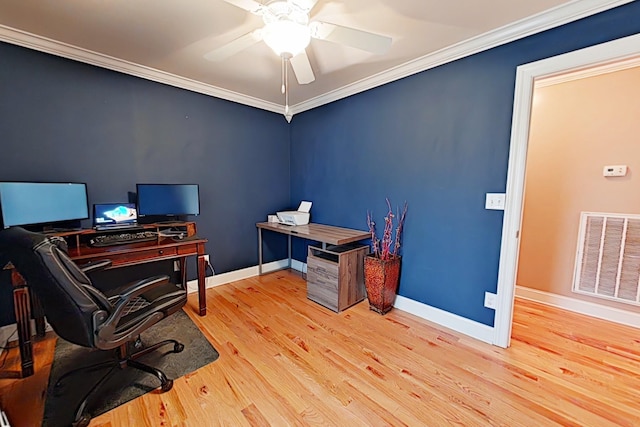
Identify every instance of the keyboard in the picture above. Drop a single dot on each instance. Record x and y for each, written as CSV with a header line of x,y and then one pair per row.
x,y
122,238
117,227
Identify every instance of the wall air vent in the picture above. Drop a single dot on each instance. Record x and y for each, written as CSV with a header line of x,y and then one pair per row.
x,y
608,257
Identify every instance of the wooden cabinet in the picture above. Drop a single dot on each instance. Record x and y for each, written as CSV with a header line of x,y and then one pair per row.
x,y
335,276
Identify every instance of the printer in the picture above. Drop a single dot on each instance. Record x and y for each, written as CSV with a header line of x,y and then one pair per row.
x,y
299,217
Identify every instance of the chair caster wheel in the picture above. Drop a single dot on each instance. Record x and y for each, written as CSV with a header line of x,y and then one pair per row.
x,y
82,422
167,386
177,348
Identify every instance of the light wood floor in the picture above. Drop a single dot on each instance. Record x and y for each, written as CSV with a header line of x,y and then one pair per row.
x,y
285,360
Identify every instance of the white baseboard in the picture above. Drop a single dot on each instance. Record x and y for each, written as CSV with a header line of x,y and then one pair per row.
x,y
7,332
233,276
448,320
299,266
460,324
452,321
579,306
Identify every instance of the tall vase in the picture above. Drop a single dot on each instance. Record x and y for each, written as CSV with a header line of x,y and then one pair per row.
x,y
381,278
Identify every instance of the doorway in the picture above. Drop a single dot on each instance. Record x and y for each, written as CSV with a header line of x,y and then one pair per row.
x,y
623,49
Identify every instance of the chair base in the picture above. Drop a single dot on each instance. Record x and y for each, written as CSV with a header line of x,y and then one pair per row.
x,y
125,358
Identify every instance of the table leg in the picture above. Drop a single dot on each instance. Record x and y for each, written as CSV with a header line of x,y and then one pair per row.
x,y
183,271
259,251
202,288
22,309
289,238
38,314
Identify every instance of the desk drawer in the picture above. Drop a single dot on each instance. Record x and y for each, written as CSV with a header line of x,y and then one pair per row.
x,y
141,256
322,282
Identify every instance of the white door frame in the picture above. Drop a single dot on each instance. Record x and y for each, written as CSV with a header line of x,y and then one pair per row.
x,y
616,50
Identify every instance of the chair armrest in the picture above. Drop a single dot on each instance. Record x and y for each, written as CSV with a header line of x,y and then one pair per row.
x,y
107,329
92,266
135,290
59,242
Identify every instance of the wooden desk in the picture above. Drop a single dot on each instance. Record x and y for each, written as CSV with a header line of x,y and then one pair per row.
x,y
164,248
316,232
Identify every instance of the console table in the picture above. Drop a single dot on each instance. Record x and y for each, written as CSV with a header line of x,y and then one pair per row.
x,y
124,255
316,232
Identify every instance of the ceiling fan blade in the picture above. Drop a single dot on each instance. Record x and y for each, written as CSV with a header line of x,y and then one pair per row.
x,y
305,5
234,46
302,68
359,39
249,5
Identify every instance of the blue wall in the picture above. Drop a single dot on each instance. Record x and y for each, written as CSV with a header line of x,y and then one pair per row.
x,y
62,120
440,141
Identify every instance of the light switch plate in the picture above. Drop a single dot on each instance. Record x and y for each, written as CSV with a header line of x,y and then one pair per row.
x,y
495,201
490,300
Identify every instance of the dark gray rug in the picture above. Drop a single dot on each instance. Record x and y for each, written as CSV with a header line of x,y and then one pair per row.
x,y
124,384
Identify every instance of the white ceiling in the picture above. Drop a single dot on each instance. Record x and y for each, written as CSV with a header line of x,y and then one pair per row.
x,y
165,40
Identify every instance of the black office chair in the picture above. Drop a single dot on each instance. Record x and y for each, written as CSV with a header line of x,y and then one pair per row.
x,y
83,315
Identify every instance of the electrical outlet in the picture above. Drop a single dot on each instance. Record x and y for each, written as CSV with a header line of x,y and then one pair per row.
x,y
490,300
206,258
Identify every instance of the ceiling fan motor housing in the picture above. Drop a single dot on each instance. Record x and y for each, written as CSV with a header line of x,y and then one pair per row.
x,y
286,29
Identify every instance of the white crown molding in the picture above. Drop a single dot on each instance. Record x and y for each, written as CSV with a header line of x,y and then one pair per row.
x,y
588,72
560,15
46,45
552,18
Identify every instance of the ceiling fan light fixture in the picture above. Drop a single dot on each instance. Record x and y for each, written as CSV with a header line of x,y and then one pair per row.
x,y
286,37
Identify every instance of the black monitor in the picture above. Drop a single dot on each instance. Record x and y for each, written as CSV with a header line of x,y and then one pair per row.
x,y
168,200
45,204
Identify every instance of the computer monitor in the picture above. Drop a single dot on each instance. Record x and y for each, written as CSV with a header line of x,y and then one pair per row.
x,y
168,200
108,214
46,204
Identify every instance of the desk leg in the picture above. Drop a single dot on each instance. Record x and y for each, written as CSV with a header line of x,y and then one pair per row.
x,y
289,246
259,251
22,309
202,288
183,271
38,314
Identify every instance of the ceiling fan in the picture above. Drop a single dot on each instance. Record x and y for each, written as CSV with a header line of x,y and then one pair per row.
x,y
288,31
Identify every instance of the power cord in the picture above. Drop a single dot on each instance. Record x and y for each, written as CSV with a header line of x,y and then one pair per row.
x,y
210,266
6,352
7,347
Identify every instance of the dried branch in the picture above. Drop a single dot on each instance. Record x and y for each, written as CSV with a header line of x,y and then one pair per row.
x,y
382,248
375,242
396,248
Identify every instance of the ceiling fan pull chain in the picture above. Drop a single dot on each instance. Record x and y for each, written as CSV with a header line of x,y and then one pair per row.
x,y
282,89
286,85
